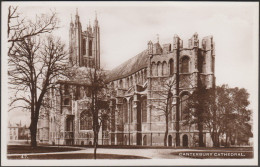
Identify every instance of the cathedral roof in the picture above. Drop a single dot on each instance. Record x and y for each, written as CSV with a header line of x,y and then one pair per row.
x,y
129,67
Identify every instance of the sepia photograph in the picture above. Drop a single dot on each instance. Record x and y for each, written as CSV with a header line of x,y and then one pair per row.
x,y
89,83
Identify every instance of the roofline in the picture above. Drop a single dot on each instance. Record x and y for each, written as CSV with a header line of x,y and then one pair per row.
x,y
126,75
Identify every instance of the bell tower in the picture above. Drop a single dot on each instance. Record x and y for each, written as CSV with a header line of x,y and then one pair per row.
x,y
85,45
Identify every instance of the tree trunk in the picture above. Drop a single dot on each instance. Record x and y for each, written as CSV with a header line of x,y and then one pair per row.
x,y
166,132
226,139
201,144
33,130
95,144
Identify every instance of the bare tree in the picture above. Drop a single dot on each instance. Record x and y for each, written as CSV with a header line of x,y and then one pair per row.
x,y
19,28
165,105
98,104
34,65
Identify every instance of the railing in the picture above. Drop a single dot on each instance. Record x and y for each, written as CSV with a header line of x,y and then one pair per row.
x,y
69,135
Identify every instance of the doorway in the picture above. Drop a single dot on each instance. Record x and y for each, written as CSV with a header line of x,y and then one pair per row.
x,y
185,141
169,140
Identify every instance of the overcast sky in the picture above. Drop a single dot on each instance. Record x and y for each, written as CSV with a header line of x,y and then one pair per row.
x,y
125,29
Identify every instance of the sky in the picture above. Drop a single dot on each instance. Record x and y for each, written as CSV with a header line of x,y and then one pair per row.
x,y
126,27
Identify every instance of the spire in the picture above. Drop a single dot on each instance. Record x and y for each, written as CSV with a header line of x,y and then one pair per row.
x,y
77,22
71,20
96,21
157,38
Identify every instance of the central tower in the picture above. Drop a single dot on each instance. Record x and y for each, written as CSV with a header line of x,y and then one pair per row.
x,y
84,46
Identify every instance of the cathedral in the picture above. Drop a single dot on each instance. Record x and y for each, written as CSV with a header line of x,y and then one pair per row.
x,y
136,104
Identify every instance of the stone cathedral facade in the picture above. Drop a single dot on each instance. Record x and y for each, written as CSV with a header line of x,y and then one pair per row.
x,y
136,117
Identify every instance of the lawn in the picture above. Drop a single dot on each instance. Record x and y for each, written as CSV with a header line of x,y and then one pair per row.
x,y
76,156
21,149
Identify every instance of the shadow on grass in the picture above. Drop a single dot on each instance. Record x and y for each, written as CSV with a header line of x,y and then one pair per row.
x,y
20,149
76,156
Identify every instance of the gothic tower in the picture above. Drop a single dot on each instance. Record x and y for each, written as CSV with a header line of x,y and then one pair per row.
x,y
84,46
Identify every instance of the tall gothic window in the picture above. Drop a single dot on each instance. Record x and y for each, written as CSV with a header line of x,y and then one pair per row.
x,y
145,75
67,102
127,83
85,120
154,69
131,81
131,109
121,84
171,67
125,111
90,48
184,102
144,109
77,94
204,65
84,46
164,68
66,90
159,69
185,64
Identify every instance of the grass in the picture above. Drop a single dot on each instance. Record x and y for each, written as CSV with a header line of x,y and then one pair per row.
x,y
76,156
20,149
168,147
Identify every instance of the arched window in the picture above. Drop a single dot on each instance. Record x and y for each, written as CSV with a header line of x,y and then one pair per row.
x,y
90,48
121,84
125,111
159,69
127,83
171,67
204,65
131,81
184,102
66,89
67,102
144,109
87,91
141,77
154,69
85,120
185,65
84,46
131,109
145,75
138,78
164,68
77,94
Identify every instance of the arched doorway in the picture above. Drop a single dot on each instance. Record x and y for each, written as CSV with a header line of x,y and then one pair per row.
x,y
125,140
69,130
169,140
185,141
144,140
